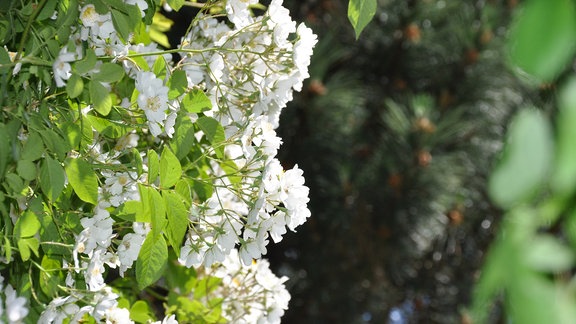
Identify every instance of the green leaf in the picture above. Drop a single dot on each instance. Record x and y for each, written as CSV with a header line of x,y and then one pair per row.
x,y
564,174
121,24
26,246
8,249
47,10
74,86
177,84
151,260
546,253
51,178
183,139
15,182
526,161
132,211
184,189
153,208
100,96
196,101
73,134
175,4
26,169
83,179
214,132
153,166
177,219
5,149
543,37
159,67
27,225
170,169
138,161
108,127
50,277
360,13
87,63
140,312
55,143
33,149
109,72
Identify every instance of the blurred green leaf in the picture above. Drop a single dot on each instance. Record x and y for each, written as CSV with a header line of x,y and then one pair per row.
x,y
543,39
563,178
175,4
526,161
546,253
140,312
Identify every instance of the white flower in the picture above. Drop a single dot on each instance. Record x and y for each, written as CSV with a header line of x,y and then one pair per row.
x,y
168,320
16,309
59,309
117,315
303,52
95,24
192,254
129,249
238,12
62,68
153,99
281,22
121,187
97,231
89,16
94,271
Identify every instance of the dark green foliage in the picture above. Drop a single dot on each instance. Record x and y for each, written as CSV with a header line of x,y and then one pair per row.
x,y
397,134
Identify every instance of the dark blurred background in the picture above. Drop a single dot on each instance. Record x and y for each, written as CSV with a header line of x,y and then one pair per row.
x,y
396,133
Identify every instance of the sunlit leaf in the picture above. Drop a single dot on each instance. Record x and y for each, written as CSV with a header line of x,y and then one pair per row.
x,y
177,219
151,260
196,101
170,169
360,13
83,180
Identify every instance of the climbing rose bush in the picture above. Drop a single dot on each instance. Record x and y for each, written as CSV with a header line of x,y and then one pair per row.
x,y
138,185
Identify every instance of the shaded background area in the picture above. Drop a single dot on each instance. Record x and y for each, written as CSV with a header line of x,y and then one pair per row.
x,y
396,134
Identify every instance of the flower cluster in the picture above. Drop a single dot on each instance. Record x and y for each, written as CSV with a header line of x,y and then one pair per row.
x,y
250,294
158,165
249,77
